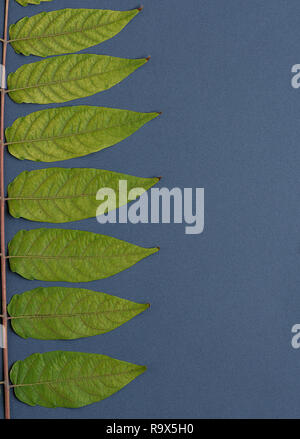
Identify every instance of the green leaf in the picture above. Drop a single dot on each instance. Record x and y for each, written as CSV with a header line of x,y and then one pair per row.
x,y
68,77
67,313
60,195
31,2
71,255
69,132
66,30
70,379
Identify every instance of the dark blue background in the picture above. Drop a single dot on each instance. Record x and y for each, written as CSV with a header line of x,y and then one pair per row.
x,y
217,337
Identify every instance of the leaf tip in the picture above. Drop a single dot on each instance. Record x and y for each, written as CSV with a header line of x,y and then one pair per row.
x,y
159,178
148,58
158,249
143,369
140,8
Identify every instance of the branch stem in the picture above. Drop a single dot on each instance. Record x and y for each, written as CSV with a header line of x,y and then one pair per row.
x,y
2,221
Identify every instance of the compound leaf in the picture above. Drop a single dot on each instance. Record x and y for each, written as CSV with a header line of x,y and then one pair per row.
x,y
66,30
68,77
70,379
31,2
59,313
71,255
60,195
69,132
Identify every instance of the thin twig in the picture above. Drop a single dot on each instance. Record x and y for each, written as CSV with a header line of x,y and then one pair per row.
x,y
2,220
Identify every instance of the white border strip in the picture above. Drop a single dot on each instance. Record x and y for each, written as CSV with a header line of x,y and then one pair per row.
x,y
2,337
2,76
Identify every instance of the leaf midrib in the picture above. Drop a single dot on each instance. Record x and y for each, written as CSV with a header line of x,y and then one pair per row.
x,y
73,379
48,139
64,33
67,257
66,197
52,316
44,84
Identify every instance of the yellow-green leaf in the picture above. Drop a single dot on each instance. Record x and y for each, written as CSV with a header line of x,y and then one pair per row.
x,y
68,77
70,379
31,2
71,255
66,30
68,132
60,195
68,313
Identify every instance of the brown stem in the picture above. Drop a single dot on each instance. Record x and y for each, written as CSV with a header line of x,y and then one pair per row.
x,y
2,220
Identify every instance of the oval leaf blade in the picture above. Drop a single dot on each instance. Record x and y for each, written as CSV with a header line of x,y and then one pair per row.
x,y
66,30
31,2
59,313
70,379
68,77
60,195
71,255
68,132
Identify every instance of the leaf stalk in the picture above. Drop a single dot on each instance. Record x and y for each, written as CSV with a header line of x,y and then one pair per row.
x,y
6,382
